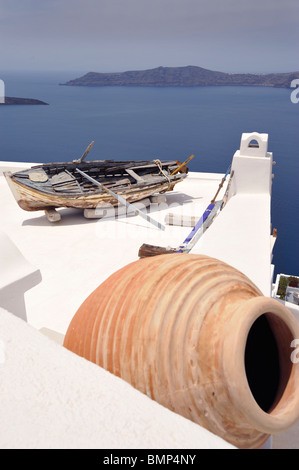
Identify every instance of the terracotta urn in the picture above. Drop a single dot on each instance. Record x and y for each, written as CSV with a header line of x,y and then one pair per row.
x,y
197,336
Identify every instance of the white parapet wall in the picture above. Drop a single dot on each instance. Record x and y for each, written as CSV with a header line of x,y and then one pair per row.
x,y
17,276
54,399
241,233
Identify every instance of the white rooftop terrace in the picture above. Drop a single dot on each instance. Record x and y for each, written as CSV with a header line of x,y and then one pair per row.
x,y
76,254
59,264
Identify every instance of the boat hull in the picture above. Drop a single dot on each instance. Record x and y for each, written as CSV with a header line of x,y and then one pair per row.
x,y
30,199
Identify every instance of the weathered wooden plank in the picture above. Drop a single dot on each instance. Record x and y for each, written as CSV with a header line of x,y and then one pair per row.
x,y
151,250
61,178
117,182
152,178
52,215
153,165
38,176
180,220
134,174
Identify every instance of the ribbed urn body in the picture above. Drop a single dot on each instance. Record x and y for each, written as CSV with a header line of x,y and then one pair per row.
x,y
197,336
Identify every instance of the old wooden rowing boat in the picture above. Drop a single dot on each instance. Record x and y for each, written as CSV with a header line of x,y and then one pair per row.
x,y
54,185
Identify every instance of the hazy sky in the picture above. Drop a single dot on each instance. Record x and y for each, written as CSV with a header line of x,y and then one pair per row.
x,y
117,35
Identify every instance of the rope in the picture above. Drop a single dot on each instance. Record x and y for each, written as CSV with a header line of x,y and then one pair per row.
x,y
159,165
225,197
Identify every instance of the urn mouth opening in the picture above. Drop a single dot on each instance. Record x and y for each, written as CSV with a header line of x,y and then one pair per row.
x,y
262,378
267,360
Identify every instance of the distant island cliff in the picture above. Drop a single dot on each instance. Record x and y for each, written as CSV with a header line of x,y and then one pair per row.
x,y
10,100
188,76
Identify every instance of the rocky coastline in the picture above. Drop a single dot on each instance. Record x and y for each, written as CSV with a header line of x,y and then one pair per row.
x,y
11,100
188,76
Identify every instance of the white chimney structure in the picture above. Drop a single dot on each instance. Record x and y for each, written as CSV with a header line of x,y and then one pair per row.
x,y
241,234
252,166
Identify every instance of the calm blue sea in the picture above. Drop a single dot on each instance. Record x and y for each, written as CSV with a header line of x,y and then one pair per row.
x,y
167,123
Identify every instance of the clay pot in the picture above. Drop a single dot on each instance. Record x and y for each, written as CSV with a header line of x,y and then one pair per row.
x,y
197,336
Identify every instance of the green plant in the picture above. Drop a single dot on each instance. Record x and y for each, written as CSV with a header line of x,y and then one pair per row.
x,y
284,282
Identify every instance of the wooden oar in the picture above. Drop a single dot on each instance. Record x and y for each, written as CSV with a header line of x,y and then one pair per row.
x,y
123,201
181,166
220,185
190,241
80,160
152,250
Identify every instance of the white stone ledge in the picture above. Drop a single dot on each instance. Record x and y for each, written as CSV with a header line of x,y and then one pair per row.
x,y
51,398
